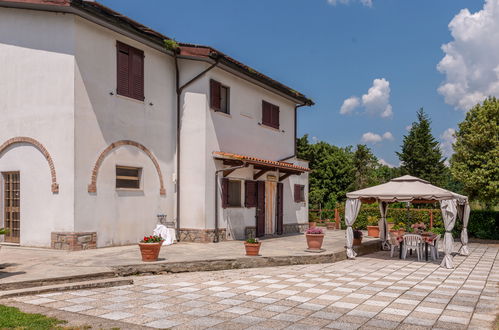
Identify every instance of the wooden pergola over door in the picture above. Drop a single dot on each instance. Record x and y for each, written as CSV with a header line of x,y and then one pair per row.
x,y
12,200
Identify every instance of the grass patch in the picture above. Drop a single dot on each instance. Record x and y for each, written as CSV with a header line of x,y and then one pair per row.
x,y
13,318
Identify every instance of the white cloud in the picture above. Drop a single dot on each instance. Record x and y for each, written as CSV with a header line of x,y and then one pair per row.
x,y
315,139
471,61
384,162
370,137
408,127
377,99
447,139
349,105
387,136
375,102
367,3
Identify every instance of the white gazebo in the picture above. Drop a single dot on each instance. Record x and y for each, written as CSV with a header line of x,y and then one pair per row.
x,y
414,190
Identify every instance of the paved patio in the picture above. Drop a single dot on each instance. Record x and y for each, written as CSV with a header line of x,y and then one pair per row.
x,y
373,291
24,263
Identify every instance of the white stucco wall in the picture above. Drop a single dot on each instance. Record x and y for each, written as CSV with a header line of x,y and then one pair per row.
x,y
205,131
121,217
36,100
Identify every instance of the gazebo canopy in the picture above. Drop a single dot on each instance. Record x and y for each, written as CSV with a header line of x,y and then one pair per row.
x,y
415,190
405,189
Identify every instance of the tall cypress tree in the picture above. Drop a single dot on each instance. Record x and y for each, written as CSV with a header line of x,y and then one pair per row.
x,y
421,155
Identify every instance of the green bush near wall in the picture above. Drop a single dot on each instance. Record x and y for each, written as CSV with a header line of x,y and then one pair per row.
x,y
482,224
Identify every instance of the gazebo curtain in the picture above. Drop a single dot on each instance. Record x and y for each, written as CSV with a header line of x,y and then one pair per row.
x,y
464,215
382,224
449,214
352,208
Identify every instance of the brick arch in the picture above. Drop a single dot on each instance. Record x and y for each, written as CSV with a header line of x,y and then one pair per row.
x,y
22,139
92,187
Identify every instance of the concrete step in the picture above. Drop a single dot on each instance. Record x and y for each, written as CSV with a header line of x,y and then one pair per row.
x,y
244,262
92,284
56,280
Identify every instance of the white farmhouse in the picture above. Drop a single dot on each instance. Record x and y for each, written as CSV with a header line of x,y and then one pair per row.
x,y
104,131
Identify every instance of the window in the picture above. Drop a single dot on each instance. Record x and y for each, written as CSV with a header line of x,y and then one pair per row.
x,y
231,193
128,177
299,193
270,115
219,97
250,193
130,71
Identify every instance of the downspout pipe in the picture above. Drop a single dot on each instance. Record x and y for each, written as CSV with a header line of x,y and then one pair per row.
x,y
179,89
295,130
296,125
216,238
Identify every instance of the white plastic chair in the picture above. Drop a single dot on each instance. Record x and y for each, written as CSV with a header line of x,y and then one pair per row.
x,y
434,247
394,243
412,242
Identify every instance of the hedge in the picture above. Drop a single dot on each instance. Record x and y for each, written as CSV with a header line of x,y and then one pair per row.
x,y
482,224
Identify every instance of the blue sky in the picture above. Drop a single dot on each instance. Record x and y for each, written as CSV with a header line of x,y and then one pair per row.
x,y
331,51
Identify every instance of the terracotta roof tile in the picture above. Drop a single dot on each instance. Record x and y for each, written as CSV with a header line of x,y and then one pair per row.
x,y
283,165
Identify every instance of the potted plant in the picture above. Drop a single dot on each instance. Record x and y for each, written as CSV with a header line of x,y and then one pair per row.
x,y
372,226
150,246
357,237
390,223
330,224
315,237
418,227
252,246
400,228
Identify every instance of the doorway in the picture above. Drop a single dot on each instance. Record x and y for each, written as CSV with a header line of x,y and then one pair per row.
x,y
270,202
11,206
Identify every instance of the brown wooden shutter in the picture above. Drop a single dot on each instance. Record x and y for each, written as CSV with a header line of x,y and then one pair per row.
x,y
250,193
279,209
137,74
225,193
215,95
275,116
297,193
123,68
260,209
266,113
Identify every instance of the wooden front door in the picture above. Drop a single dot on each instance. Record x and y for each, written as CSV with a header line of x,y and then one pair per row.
x,y
260,209
12,201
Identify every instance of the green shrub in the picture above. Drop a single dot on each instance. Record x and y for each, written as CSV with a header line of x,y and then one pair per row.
x,y
482,224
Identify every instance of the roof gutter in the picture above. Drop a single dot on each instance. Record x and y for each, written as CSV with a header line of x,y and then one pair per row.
x,y
179,89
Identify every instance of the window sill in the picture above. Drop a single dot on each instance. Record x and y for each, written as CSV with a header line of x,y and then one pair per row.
x,y
130,99
228,115
271,128
130,189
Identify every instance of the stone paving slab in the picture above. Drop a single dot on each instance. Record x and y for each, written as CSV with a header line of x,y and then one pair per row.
x,y
338,295
28,264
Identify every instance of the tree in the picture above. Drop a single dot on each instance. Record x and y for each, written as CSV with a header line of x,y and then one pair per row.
x,y
475,161
331,171
365,165
421,155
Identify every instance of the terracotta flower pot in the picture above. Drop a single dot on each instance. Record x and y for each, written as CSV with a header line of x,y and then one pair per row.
x,y
314,241
252,249
311,224
357,241
373,231
150,251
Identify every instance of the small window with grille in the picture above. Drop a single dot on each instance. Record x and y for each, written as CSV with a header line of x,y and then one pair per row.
x,y
128,177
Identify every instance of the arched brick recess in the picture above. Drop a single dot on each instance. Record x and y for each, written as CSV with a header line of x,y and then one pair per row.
x,y
41,148
92,187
